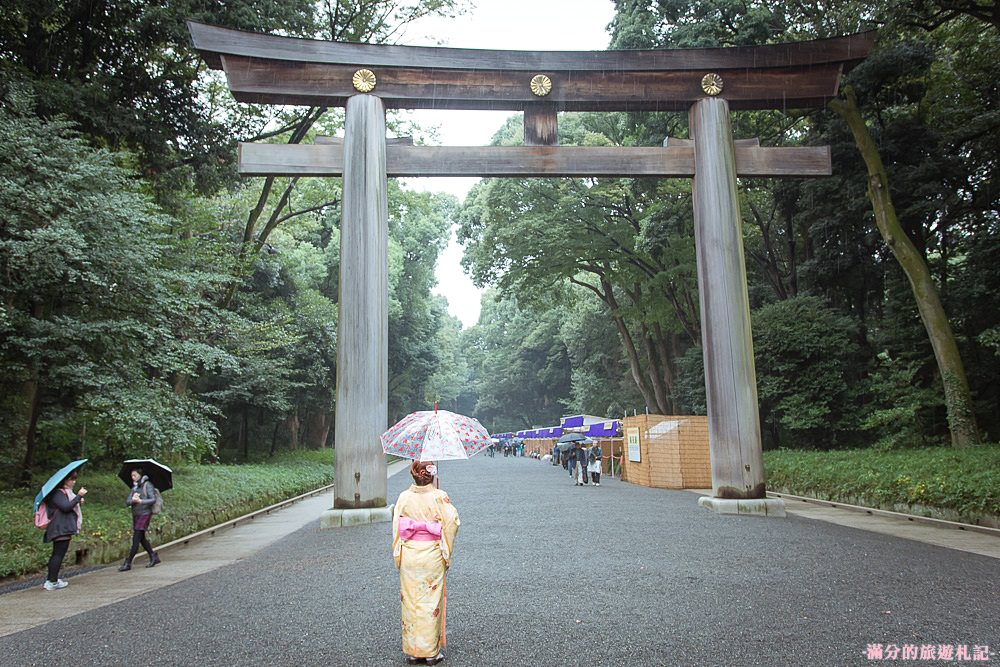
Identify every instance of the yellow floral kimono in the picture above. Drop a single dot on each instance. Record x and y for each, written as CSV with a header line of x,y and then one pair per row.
x,y
424,525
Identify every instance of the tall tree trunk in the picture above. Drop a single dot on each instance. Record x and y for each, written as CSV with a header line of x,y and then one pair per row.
x,y
319,430
793,261
654,367
958,398
654,372
665,345
31,394
244,434
630,351
274,438
293,430
82,441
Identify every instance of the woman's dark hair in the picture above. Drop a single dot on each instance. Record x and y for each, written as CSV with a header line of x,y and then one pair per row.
x,y
421,476
137,469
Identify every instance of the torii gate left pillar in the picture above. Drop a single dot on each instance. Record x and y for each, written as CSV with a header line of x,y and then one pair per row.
x,y
727,345
359,491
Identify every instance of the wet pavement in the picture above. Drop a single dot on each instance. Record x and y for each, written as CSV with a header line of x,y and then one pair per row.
x,y
545,573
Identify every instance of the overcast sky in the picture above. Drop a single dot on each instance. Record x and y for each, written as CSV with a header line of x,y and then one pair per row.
x,y
524,25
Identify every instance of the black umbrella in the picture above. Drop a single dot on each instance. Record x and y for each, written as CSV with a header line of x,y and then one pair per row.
x,y
564,446
160,475
572,437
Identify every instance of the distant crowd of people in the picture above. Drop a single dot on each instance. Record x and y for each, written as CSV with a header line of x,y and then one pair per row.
x,y
507,448
580,462
581,459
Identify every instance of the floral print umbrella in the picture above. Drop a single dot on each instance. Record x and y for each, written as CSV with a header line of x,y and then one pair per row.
x,y
435,435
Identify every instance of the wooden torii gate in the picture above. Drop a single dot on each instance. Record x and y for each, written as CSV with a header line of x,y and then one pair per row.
x,y
368,78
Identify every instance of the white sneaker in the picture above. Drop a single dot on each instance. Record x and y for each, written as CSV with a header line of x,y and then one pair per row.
x,y
49,586
597,483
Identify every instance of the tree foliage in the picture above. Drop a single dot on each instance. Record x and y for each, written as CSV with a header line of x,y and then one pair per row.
x,y
843,358
125,73
152,304
628,242
91,299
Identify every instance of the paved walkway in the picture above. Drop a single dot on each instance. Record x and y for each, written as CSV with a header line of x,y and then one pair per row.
x,y
545,573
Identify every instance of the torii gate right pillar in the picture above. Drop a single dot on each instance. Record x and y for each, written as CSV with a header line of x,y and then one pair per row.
x,y
730,379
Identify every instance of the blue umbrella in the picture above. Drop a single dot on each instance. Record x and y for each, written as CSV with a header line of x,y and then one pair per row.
x,y
56,481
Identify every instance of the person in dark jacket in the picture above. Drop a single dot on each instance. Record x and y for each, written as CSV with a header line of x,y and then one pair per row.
x,y
141,498
65,521
580,454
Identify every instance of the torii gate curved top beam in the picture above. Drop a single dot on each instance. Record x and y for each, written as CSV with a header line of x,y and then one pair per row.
x,y
271,69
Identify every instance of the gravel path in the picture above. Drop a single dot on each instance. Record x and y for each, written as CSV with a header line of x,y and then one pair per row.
x,y
547,573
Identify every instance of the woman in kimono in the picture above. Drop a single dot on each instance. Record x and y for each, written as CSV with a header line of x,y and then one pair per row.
x,y
424,525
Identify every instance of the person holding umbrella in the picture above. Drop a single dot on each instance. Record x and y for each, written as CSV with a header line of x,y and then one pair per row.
x,y
65,518
142,496
424,526
425,523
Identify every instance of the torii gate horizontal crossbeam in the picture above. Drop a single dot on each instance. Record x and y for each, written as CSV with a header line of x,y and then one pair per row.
x,y
273,69
525,161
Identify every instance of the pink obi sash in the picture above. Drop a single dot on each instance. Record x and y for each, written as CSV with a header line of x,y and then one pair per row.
x,y
422,531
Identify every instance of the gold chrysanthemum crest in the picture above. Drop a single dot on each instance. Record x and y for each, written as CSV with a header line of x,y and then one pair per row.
x,y
711,84
364,80
541,85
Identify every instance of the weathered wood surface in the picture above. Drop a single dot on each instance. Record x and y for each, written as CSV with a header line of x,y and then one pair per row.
x,y
287,82
214,41
487,161
283,70
674,142
363,325
541,125
339,141
730,378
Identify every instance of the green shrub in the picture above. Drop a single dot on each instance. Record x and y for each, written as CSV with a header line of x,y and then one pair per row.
x,y
808,362
964,483
900,405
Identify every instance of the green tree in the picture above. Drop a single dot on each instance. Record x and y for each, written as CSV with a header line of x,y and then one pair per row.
x,y
958,398
809,366
601,383
906,102
420,225
521,370
88,293
370,21
450,383
125,72
629,242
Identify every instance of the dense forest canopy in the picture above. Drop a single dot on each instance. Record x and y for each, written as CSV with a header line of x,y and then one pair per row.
x,y
843,352
155,303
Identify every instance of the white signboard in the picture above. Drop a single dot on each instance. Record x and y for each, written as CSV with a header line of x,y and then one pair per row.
x,y
632,435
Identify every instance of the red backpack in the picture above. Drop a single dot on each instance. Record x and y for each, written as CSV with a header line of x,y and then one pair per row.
x,y
42,516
